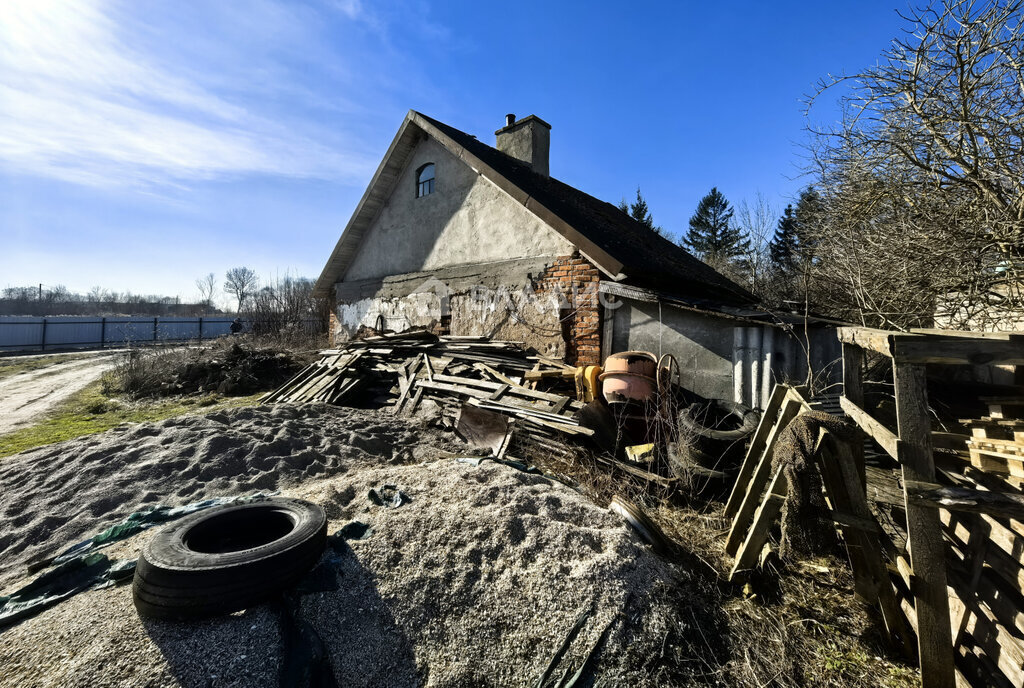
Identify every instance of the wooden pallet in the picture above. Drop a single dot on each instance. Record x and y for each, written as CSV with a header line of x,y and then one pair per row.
x,y
1005,408
996,443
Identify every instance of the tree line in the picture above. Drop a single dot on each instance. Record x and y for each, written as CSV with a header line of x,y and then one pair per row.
x,y
45,300
274,305
913,215
271,305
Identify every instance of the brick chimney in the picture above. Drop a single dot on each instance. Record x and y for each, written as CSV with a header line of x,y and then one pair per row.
x,y
528,140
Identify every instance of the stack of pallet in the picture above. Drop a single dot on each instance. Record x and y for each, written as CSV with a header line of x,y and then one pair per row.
x,y
996,444
401,370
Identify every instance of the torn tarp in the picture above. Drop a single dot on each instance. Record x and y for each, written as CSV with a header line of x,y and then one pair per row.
x,y
84,572
141,520
81,568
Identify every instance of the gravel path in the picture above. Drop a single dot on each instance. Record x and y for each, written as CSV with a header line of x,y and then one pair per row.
x,y
25,397
475,581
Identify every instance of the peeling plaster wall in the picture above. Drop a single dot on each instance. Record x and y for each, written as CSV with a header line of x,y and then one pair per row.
x,y
466,220
548,304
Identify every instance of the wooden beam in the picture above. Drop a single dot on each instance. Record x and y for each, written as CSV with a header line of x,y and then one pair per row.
x,y
879,341
874,429
958,350
861,534
998,504
924,531
853,391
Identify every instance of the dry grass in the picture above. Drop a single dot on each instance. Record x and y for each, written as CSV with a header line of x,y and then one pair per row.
x,y
793,626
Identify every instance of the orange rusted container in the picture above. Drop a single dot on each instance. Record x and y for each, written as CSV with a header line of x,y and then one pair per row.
x,y
629,376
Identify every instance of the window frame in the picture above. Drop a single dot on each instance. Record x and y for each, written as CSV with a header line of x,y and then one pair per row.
x,y
425,187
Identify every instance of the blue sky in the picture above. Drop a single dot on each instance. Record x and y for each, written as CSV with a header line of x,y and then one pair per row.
x,y
144,144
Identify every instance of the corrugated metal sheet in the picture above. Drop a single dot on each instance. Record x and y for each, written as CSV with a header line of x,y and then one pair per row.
x,y
63,332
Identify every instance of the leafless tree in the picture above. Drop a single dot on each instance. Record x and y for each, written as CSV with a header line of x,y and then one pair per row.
x,y
240,282
286,307
757,220
923,181
207,286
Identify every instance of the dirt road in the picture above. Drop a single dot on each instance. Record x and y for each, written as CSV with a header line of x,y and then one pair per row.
x,y
25,397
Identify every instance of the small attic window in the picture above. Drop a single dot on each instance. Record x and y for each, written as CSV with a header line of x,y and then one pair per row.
x,y
425,180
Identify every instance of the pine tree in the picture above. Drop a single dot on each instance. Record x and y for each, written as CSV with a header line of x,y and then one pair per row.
x,y
784,245
710,235
641,213
809,208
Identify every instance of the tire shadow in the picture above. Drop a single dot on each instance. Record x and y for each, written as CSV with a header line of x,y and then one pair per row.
x,y
333,623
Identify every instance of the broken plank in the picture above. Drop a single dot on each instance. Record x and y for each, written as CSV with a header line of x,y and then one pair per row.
x,y
757,445
791,408
757,536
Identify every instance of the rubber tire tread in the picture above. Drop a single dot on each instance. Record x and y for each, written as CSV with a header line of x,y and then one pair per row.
x,y
167,587
749,417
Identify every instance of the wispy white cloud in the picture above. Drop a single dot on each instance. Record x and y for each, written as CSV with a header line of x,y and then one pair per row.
x,y
91,94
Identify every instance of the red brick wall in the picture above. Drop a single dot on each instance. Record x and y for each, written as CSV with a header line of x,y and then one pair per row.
x,y
332,325
580,315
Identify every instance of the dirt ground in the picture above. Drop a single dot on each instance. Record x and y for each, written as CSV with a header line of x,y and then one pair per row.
x,y
25,397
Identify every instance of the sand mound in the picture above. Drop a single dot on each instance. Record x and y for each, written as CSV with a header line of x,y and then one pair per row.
x,y
476,580
57,495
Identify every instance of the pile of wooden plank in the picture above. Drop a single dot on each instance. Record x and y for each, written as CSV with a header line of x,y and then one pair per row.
x,y
996,444
400,370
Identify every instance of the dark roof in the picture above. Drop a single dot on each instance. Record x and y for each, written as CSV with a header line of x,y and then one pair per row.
x,y
648,259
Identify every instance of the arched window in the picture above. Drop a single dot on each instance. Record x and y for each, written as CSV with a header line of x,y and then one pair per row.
x,y
425,180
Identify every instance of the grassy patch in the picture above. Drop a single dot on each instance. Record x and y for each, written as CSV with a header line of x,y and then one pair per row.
x,y
89,411
16,365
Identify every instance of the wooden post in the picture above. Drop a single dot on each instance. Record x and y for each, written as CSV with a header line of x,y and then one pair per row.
x,y
103,332
853,389
200,328
871,578
156,321
42,344
924,530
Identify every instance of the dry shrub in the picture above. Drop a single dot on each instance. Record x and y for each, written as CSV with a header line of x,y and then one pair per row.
x,y
229,365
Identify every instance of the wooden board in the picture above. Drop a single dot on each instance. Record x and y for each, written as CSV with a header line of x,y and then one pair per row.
x,y
925,541
792,406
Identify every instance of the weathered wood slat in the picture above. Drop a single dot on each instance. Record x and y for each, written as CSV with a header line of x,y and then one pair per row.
x,y
925,541
846,493
757,535
885,437
792,406
756,448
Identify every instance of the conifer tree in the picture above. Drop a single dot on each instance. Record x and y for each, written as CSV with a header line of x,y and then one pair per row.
x,y
784,245
641,213
710,235
808,213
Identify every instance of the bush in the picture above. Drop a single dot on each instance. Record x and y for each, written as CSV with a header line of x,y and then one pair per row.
x,y
231,366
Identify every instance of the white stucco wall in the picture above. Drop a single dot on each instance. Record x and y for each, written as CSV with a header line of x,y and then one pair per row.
x,y
466,220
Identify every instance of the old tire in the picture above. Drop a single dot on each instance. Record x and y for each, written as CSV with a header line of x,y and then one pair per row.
x,y
226,559
719,420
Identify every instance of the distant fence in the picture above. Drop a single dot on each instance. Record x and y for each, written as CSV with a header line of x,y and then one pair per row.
x,y
83,332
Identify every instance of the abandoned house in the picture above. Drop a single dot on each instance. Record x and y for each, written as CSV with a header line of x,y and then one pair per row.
x,y
468,239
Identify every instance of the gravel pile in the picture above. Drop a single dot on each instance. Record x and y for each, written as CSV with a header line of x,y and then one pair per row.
x,y
476,580
57,495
